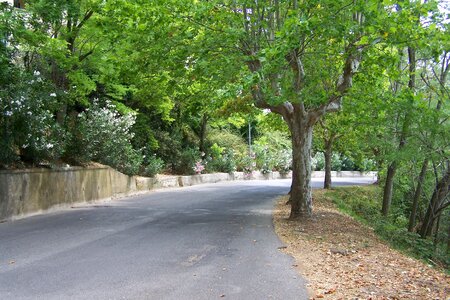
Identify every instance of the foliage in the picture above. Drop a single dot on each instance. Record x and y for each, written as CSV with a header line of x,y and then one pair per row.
x,y
247,164
273,152
228,139
154,165
220,160
188,158
341,162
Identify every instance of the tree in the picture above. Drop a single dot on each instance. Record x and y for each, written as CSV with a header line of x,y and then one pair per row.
x,y
301,58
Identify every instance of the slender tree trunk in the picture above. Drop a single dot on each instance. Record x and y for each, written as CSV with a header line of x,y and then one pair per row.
x,y
436,232
328,153
448,239
388,188
440,193
417,195
202,135
301,198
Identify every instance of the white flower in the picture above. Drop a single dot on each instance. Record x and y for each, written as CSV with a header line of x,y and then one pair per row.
x,y
36,73
53,95
8,113
49,146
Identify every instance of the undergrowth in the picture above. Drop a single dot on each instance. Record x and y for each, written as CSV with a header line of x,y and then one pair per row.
x,y
364,202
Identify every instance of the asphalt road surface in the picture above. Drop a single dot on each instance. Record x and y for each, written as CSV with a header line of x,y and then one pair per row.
x,y
213,241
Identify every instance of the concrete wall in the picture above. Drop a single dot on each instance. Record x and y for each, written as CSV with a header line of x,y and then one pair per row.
x,y
321,174
25,192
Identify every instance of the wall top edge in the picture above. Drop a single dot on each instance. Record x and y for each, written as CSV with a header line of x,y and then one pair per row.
x,y
48,170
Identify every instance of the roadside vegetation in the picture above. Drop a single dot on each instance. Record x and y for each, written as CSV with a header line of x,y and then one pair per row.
x,y
362,203
343,257
188,87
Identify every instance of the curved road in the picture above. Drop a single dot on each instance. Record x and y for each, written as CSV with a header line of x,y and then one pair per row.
x,y
204,242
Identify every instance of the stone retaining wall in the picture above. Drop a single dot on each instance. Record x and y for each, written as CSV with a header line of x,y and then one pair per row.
x,y
26,192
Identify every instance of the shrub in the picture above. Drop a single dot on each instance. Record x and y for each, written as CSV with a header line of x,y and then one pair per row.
x,y
318,162
248,164
199,167
104,135
273,152
185,162
234,146
283,163
29,127
224,162
154,165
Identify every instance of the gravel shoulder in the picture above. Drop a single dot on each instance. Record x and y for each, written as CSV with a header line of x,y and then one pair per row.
x,y
342,259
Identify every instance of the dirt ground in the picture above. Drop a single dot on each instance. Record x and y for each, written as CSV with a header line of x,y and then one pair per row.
x,y
342,259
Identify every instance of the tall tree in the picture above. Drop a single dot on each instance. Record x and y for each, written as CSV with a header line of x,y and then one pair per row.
x,y
301,57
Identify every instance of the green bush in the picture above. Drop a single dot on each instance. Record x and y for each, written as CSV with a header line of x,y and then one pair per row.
x,y
154,165
340,162
186,161
232,143
221,161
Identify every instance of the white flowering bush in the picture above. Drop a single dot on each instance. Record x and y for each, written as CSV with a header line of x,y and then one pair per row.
x,y
283,161
29,128
104,135
273,153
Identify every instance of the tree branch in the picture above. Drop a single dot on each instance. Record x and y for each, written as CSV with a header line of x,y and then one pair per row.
x,y
343,84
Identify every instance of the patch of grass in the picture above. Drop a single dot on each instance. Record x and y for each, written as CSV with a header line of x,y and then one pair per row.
x,y
363,203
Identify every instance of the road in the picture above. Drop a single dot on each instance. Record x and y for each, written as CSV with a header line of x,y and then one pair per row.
x,y
210,241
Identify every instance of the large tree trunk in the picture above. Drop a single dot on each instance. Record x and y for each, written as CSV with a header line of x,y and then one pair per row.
x,y
328,153
388,188
301,198
417,195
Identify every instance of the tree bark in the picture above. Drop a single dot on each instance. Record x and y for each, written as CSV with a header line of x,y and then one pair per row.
x,y
440,193
388,189
301,198
448,239
417,195
328,153
202,135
